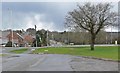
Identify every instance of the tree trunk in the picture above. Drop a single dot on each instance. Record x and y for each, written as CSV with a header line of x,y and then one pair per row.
x,y
92,42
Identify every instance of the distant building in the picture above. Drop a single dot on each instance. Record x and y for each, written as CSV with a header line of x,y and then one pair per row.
x,y
28,40
3,36
18,39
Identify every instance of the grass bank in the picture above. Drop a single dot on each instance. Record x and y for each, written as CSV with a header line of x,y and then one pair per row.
x,y
19,51
1,55
108,52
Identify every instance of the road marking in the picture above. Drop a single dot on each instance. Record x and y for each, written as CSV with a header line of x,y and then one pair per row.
x,y
40,60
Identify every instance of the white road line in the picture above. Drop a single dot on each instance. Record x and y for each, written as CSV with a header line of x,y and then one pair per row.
x,y
40,60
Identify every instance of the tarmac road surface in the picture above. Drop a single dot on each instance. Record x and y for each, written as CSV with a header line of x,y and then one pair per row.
x,y
54,62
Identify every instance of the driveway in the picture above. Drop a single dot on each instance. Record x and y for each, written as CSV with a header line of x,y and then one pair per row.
x,y
55,62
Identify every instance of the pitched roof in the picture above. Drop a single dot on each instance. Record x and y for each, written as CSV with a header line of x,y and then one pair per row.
x,y
15,35
28,38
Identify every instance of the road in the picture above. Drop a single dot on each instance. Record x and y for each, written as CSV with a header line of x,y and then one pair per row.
x,y
54,62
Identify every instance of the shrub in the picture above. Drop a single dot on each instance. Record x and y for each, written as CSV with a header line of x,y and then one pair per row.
x,y
9,44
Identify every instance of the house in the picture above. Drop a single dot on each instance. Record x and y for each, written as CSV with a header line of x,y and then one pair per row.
x,y
19,39
28,40
16,38
3,37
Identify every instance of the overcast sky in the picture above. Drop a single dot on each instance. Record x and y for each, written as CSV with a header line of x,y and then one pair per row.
x,y
46,15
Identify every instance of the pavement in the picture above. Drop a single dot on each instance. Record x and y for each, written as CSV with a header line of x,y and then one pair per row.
x,y
54,62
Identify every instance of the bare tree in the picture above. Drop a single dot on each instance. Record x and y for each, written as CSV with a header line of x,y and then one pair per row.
x,y
92,18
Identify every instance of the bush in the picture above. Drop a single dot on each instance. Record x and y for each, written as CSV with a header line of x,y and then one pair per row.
x,y
9,44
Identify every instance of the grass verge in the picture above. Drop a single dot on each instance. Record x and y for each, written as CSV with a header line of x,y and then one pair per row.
x,y
107,52
19,51
1,55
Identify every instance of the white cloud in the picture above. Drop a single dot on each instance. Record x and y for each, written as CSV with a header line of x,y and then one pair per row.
x,y
28,20
23,18
37,19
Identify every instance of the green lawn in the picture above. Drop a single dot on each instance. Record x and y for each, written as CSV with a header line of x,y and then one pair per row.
x,y
108,52
1,55
19,51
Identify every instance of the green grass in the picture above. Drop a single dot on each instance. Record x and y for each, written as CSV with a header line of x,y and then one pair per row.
x,y
108,52
1,55
19,51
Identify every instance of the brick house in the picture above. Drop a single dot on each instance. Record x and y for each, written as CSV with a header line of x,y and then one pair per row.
x,y
16,38
28,40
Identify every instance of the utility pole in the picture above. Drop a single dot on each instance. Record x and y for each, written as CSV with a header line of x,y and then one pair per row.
x,y
36,35
11,26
